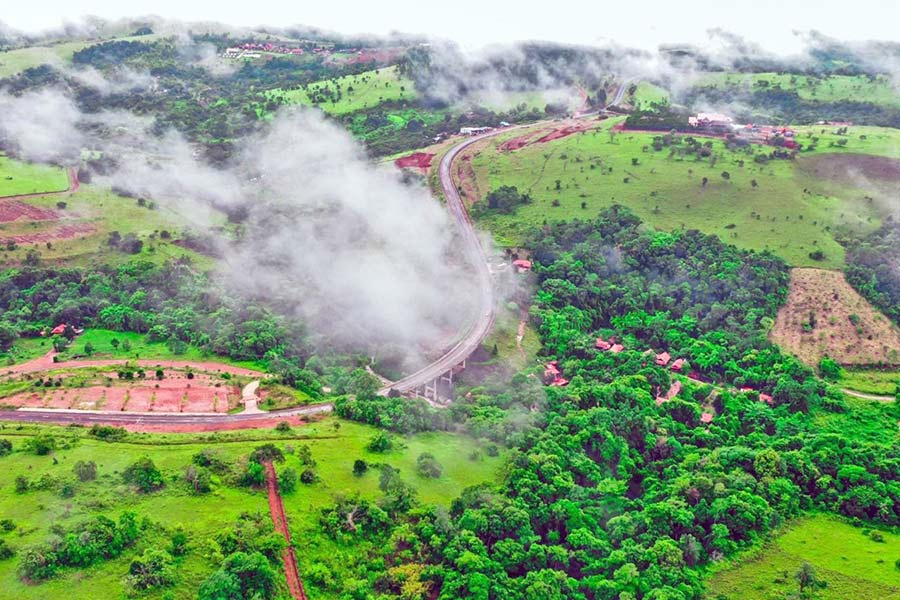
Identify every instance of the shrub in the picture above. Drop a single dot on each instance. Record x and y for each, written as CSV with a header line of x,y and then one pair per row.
x,y
21,484
283,427
308,476
108,433
428,466
144,475
360,467
267,453
287,481
381,442
41,445
152,569
5,447
199,479
6,550
210,458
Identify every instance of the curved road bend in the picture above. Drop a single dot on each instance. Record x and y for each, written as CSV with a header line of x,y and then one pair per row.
x,y
475,254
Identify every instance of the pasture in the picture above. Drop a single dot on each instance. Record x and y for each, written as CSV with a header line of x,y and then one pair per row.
x,y
333,447
79,226
18,177
344,95
848,559
646,94
769,205
829,88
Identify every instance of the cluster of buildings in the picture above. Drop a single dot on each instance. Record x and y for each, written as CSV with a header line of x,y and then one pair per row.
x,y
719,124
253,50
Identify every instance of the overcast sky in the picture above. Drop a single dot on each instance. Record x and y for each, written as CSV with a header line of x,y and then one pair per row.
x,y
473,23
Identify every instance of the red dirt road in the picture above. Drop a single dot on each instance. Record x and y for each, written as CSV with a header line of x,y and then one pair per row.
x,y
279,519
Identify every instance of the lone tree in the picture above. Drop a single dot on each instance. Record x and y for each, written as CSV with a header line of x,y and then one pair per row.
x,y
806,577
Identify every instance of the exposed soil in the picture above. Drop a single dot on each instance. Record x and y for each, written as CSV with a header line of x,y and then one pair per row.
x,y
45,363
544,135
279,519
467,181
13,210
62,232
834,306
850,168
175,393
420,160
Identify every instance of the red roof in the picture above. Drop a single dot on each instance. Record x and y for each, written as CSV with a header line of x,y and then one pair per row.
x,y
662,359
676,366
560,381
58,329
602,344
522,263
706,417
616,348
766,398
551,369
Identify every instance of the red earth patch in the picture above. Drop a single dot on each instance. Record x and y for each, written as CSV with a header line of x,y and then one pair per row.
x,y
63,232
421,160
13,210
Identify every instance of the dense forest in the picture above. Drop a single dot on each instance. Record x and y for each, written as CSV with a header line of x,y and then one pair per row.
x,y
609,493
873,268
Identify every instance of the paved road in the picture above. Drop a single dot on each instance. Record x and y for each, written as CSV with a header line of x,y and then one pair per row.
x,y
91,417
475,255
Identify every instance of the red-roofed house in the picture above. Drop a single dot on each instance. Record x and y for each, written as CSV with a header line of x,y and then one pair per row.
x,y
616,348
560,382
766,398
553,376
677,365
58,330
602,344
706,417
662,359
522,264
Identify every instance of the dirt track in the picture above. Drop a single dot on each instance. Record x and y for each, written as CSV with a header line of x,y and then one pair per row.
x,y
279,519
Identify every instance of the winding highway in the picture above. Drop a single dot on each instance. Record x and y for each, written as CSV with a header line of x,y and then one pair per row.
x,y
474,254
468,341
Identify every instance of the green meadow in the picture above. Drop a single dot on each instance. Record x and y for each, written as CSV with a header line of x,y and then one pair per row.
x,y
788,211
17,177
849,560
357,92
831,88
646,94
106,212
334,445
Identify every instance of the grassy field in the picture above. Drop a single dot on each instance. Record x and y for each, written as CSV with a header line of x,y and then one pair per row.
x,y
785,213
202,516
139,348
851,563
17,177
16,61
865,420
870,381
822,89
106,212
646,94
368,89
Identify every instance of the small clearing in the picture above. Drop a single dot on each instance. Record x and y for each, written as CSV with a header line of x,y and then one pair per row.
x,y
846,558
825,315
